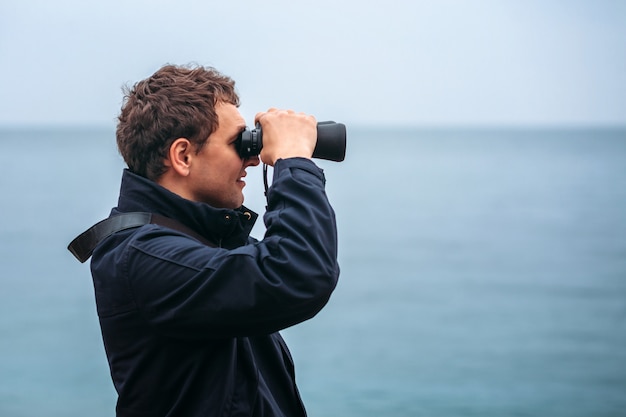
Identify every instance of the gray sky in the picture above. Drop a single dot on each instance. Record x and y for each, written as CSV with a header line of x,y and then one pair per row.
x,y
411,62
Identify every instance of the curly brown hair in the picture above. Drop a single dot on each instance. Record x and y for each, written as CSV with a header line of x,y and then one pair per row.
x,y
175,102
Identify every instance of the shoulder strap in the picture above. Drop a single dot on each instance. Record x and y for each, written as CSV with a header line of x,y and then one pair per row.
x,y
84,244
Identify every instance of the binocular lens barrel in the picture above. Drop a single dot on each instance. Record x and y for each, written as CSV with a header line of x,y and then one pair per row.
x,y
331,142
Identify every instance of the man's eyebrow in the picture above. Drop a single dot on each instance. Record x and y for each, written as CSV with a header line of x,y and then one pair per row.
x,y
241,128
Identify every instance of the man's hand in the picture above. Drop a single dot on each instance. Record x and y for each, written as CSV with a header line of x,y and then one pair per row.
x,y
286,134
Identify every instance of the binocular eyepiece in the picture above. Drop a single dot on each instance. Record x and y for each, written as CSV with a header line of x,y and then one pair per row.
x,y
331,141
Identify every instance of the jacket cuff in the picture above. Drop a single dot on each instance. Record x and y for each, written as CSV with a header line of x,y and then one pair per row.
x,y
298,163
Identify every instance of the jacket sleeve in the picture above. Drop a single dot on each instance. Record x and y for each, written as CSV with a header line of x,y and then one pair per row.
x,y
185,289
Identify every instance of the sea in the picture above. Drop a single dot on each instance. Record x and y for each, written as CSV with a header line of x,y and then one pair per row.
x,y
483,274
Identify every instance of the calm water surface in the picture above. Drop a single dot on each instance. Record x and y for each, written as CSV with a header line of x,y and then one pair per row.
x,y
483,274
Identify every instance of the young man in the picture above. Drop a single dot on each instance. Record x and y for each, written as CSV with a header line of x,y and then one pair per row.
x,y
191,329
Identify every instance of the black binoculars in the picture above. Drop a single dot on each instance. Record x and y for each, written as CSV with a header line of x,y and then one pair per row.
x,y
331,141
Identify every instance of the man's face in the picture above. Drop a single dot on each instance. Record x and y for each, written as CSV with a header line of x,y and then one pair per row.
x,y
216,175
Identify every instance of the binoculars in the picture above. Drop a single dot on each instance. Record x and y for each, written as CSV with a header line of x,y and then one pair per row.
x,y
331,141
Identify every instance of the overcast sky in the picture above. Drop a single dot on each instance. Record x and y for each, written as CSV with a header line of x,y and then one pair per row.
x,y
411,62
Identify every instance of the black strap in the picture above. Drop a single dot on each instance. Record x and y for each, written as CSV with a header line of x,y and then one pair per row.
x,y
83,245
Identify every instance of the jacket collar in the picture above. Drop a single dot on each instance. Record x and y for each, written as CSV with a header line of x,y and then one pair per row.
x,y
226,227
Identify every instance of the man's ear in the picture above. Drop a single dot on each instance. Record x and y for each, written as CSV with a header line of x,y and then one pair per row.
x,y
179,156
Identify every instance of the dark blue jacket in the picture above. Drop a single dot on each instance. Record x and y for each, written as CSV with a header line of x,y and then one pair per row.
x,y
191,330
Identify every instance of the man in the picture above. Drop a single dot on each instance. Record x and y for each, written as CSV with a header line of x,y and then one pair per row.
x,y
191,329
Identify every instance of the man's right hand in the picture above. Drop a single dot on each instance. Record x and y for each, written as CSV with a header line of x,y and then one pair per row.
x,y
286,134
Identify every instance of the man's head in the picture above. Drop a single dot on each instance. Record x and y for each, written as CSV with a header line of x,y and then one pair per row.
x,y
175,102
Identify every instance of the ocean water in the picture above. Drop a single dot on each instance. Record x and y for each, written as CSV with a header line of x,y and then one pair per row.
x,y
483,274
